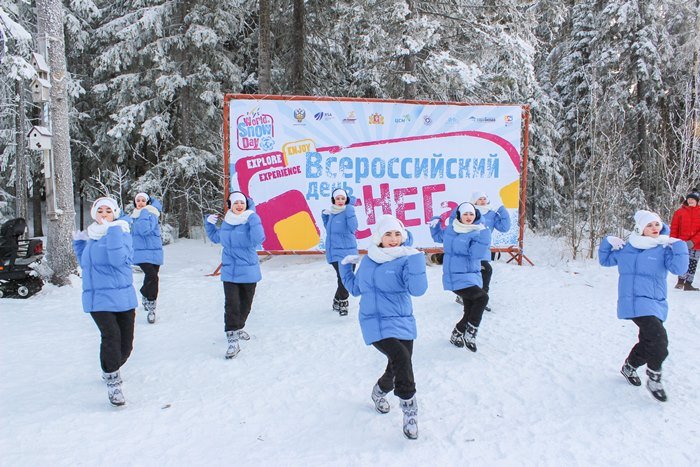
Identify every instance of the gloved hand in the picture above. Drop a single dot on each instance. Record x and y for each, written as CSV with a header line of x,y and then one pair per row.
x,y
615,242
351,259
433,222
80,235
690,244
212,218
326,212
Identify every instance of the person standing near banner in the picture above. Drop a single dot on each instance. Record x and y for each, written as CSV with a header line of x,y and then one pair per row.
x,y
386,279
466,240
148,249
240,234
498,220
685,225
340,222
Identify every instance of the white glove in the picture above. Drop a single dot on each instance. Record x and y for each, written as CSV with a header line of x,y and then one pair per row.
x,y
433,222
351,259
326,212
80,235
212,218
615,242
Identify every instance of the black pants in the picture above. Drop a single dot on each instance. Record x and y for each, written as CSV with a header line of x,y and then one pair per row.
x,y
117,332
652,348
341,293
486,272
398,375
149,289
238,298
475,300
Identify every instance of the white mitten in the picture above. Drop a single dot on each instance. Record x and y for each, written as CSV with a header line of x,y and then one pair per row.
x,y
326,212
434,222
80,235
212,218
351,259
615,242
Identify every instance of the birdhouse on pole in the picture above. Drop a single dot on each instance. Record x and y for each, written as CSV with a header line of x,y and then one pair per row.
x,y
39,138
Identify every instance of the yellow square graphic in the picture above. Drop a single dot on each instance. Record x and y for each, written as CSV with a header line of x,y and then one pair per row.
x,y
297,232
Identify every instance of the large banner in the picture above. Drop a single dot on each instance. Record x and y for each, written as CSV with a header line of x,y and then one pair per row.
x,y
412,160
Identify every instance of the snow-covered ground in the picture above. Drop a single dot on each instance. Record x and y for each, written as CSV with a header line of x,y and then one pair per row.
x,y
543,389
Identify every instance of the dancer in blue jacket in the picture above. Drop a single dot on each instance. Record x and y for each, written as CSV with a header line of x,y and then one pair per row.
x,y
492,220
148,249
240,234
386,279
643,263
105,256
466,240
340,222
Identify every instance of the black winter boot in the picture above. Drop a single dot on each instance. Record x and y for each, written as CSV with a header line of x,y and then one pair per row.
x,y
654,385
343,307
456,338
470,337
689,286
630,374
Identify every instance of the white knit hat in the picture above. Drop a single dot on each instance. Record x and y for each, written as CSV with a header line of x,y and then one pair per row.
x,y
142,195
479,194
642,218
237,196
105,201
339,191
388,223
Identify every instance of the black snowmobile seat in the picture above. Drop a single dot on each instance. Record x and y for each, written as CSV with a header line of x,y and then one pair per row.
x,y
9,237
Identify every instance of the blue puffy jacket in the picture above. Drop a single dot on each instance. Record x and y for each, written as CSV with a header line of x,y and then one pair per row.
x,y
461,266
239,258
108,283
499,220
385,307
641,289
148,245
340,233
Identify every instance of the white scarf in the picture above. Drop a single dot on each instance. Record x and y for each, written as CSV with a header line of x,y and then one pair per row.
x,y
644,243
237,219
483,209
152,209
466,228
96,231
384,255
335,209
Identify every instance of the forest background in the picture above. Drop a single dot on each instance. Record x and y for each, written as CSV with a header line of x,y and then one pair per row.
x,y
612,86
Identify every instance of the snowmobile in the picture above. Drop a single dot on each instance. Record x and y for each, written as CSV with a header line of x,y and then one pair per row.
x,y
18,259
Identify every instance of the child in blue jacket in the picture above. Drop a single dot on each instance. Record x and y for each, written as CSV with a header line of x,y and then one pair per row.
x,y
492,220
340,222
386,279
148,249
240,234
466,240
643,263
105,256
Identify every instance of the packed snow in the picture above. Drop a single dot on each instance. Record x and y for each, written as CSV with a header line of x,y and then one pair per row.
x,y
544,387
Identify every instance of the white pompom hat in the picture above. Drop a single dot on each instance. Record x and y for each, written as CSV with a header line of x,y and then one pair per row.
x,y
388,223
105,201
642,218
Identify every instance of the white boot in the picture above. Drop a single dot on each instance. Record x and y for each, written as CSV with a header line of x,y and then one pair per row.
x,y
114,388
150,307
410,417
379,399
233,346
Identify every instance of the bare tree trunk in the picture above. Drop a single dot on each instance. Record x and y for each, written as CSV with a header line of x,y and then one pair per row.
x,y
409,64
298,40
264,60
21,184
59,246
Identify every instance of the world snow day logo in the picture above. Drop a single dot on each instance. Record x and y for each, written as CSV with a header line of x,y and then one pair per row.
x,y
351,117
255,131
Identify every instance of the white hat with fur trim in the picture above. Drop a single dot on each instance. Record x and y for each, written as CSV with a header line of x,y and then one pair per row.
x,y
388,223
105,201
479,194
642,218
